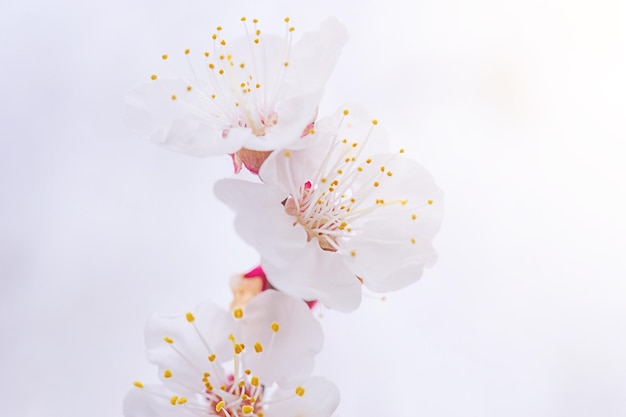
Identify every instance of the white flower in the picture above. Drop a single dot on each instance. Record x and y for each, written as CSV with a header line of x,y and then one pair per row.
x,y
245,98
328,213
270,345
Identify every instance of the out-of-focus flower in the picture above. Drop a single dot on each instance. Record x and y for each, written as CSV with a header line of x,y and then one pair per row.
x,y
269,346
246,286
245,98
335,211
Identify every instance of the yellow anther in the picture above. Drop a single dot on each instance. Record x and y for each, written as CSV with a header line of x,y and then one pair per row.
x,y
238,313
312,131
168,339
153,77
211,65
323,180
237,349
218,28
360,169
374,122
287,20
346,160
291,29
352,200
254,381
167,373
173,399
368,161
231,337
286,63
354,145
352,253
255,21
404,202
258,32
219,406
413,240
190,317
287,154
243,18
221,71
182,400
344,140
346,112
138,384
260,414
339,172
211,357
247,409
256,40
389,173
247,372
299,391
223,42
206,54
275,327
173,96
376,183
401,150
413,216
214,36
430,202
258,85
382,169
319,202
164,56
187,51
242,65
331,189
213,96
188,88
342,225
242,384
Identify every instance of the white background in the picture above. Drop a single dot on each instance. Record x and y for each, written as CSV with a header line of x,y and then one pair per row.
x,y
517,108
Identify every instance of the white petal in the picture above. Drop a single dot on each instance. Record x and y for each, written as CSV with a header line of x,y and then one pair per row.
x,y
154,401
314,56
182,124
288,355
315,274
320,399
193,342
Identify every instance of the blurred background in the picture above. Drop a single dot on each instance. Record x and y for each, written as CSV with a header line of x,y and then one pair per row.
x,y
517,109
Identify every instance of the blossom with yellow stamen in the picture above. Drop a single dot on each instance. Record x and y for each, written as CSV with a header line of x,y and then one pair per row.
x,y
335,207
244,98
255,361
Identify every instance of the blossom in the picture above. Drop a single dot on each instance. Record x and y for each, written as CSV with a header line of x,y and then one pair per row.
x,y
244,98
269,344
336,211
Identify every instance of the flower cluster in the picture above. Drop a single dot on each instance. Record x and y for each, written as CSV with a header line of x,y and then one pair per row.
x,y
332,210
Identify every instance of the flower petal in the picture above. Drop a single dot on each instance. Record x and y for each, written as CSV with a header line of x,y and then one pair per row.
x,y
288,354
320,399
